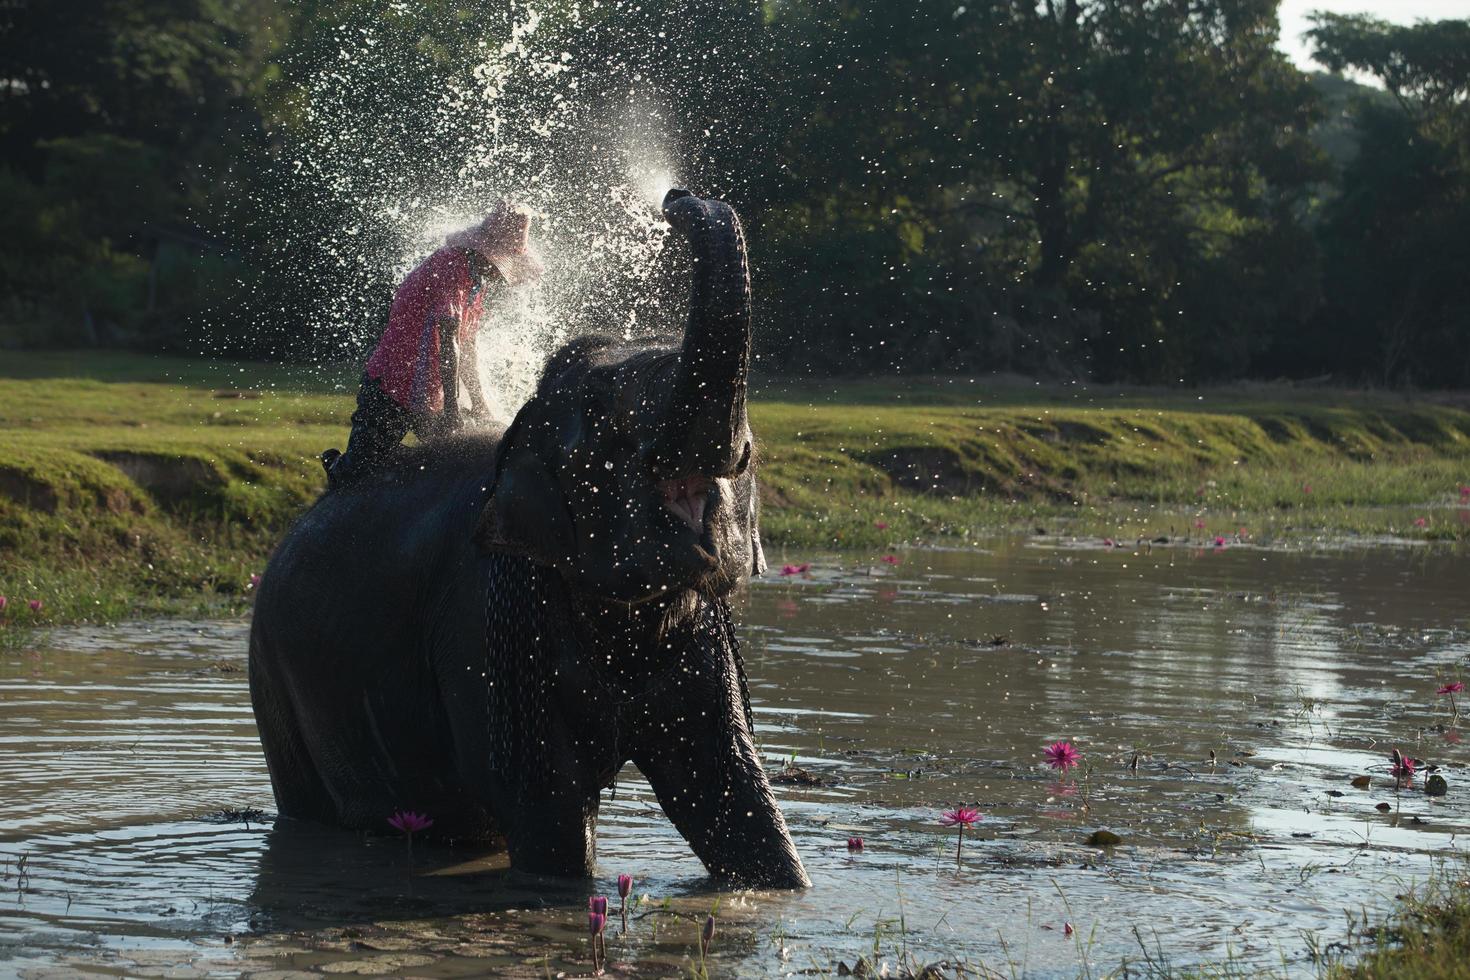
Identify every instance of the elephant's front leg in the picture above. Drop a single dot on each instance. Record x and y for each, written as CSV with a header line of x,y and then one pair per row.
x,y
553,835
698,753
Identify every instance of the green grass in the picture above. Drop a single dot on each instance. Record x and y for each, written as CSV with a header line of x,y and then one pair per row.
x,y
131,483
1426,937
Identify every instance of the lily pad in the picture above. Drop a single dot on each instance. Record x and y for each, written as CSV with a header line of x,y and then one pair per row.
x,y
379,965
1361,782
1383,807
1104,838
1436,785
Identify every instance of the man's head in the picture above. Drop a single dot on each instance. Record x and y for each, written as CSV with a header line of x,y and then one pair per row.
x,y
504,239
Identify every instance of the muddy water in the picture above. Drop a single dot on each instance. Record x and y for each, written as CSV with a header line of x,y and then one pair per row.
x,y
1222,700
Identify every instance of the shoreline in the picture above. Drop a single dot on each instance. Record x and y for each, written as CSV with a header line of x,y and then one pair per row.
x,y
134,485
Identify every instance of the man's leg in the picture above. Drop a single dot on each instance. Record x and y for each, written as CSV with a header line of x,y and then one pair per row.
x,y
378,426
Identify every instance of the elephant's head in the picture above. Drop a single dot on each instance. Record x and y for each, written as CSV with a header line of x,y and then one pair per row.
x,y
632,468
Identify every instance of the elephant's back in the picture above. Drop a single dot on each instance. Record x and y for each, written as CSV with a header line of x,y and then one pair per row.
x,y
379,544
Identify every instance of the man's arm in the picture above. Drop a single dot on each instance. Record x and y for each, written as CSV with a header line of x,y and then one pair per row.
x,y
472,373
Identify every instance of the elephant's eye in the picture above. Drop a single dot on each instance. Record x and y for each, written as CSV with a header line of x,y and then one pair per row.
x,y
744,463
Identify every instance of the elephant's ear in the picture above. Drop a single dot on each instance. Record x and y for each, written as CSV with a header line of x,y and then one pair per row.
x,y
527,513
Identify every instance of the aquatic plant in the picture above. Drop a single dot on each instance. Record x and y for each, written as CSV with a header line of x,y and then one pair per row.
x,y
35,605
854,843
1421,522
1401,766
625,888
961,818
706,936
410,822
801,569
892,560
3,603
1062,755
596,923
881,525
1450,690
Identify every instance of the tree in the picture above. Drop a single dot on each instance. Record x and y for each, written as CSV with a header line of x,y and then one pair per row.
x,y
1398,298
1080,173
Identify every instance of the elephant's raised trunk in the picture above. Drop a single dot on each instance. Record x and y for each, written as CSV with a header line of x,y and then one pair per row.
x,y
706,434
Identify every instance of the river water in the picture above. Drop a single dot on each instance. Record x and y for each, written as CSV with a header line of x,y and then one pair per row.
x,y
1222,699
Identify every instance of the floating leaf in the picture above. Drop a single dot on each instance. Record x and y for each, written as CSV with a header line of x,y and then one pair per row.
x,y
1383,807
1436,785
1361,782
1104,838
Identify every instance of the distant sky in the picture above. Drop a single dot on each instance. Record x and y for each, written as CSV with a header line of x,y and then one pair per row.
x,y
1293,14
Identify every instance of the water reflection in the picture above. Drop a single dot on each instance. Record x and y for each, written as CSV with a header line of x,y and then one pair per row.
x,y
1223,700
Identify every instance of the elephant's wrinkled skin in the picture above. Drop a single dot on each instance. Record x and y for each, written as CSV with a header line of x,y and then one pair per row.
x,y
489,631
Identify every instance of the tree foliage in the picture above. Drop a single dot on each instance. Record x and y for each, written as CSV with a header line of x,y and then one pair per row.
x,y
1393,237
1125,189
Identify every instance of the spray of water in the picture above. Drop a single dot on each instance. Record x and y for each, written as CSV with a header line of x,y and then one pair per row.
x,y
584,147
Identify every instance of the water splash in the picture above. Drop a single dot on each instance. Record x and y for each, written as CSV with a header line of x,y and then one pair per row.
x,y
586,147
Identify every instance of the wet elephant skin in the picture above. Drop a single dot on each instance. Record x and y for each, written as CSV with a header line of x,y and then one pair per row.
x,y
487,632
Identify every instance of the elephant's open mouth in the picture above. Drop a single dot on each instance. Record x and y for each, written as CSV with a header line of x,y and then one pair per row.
x,y
686,497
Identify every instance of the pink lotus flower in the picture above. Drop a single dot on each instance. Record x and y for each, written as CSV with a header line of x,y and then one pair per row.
x,y
881,525
1451,689
1067,928
1421,522
706,936
625,888
1219,541
1108,543
1465,494
1401,766
596,923
801,569
1062,755
409,822
3,603
35,605
854,843
891,560
961,818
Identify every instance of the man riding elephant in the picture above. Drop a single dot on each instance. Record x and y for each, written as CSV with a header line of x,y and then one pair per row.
x,y
411,381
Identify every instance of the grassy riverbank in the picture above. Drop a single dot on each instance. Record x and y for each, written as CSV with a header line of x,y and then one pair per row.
x,y
130,483
1426,937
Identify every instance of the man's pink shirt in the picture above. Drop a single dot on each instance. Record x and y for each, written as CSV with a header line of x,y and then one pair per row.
x,y
406,361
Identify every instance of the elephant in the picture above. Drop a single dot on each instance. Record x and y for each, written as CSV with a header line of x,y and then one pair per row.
x,y
489,629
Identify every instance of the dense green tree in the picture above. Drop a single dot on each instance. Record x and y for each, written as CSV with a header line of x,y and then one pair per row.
x,y
118,121
1394,236
1063,173
1116,188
